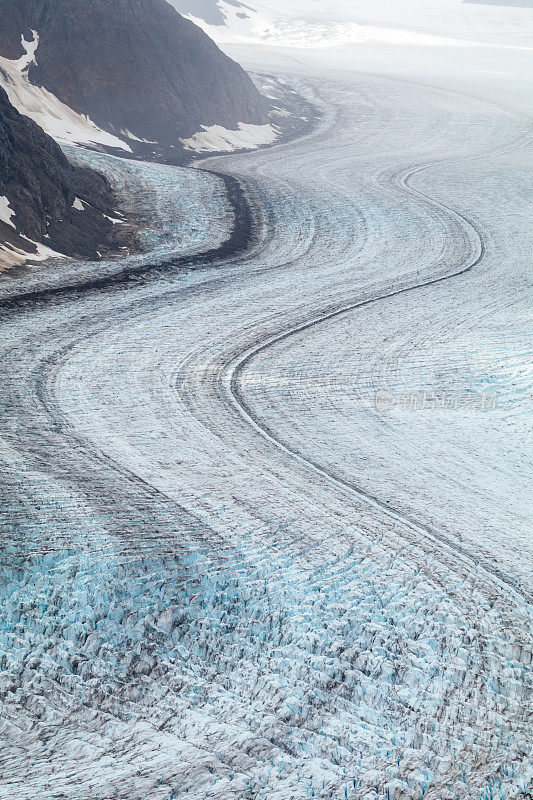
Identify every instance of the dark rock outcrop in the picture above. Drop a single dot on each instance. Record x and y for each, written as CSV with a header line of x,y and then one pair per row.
x,y
132,65
43,188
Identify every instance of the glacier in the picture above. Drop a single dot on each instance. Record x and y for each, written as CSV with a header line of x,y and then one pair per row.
x,y
228,571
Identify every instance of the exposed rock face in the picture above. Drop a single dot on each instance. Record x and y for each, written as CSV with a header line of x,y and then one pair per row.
x,y
131,65
52,202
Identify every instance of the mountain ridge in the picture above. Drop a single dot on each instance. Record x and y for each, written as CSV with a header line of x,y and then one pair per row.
x,y
136,68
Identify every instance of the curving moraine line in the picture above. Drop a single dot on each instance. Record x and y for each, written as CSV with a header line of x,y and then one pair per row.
x,y
113,487
235,395
241,241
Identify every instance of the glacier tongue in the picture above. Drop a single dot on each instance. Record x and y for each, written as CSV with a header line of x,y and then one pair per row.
x,y
226,573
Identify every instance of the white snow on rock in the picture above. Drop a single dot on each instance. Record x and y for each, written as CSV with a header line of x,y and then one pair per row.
x,y
78,204
215,138
36,102
115,220
129,135
30,47
12,256
6,212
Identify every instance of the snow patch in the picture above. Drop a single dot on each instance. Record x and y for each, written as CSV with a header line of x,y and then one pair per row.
x,y
13,256
6,212
215,138
42,251
78,204
129,135
57,119
30,48
114,220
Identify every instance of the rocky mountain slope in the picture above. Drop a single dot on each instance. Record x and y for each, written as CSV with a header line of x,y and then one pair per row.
x,y
48,206
137,68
